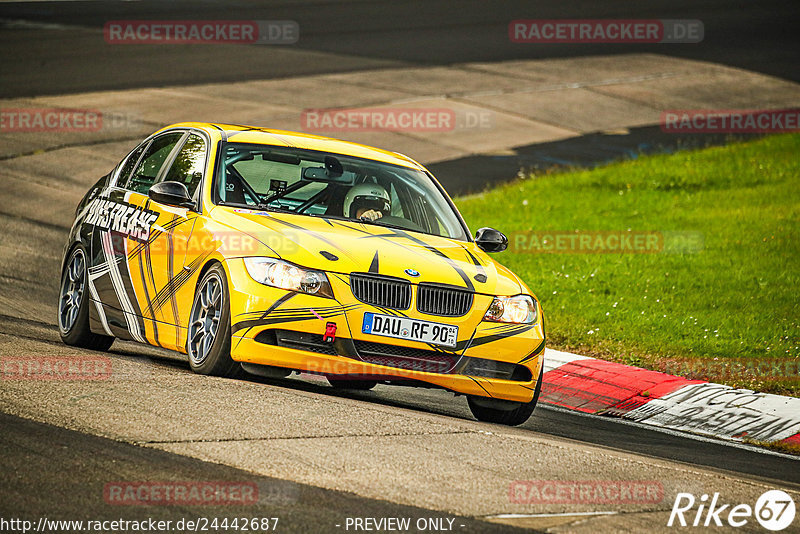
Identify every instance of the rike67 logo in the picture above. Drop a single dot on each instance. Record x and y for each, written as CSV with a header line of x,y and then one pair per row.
x,y
774,510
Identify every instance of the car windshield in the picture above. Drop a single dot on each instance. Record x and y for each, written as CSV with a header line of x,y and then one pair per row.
x,y
313,183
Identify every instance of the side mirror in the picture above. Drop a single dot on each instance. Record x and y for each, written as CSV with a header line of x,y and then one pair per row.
x,y
491,240
171,194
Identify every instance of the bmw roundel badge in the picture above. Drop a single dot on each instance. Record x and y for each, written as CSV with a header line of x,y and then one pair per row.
x,y
411,272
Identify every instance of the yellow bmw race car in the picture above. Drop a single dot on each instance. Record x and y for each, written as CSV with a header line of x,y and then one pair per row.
x,y
274,251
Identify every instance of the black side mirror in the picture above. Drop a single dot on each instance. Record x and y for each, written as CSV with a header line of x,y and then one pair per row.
x,y
171,194
491,240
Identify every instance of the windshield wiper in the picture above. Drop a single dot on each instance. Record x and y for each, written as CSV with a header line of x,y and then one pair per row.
x,y
235,204
259,206
376,223
267,207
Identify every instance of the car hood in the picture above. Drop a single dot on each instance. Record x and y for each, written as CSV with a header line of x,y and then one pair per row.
x,y
345,246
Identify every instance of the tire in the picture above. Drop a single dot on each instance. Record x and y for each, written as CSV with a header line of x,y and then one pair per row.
x,y
358,385
208,342
73,305
504,412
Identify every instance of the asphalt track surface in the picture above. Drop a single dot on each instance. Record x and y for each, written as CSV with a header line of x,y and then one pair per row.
x,y
56,457
31,450
357,35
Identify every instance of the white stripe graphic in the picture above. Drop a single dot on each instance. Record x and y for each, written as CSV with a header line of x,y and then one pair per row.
x,y
99,305
99,270
119,288
133,286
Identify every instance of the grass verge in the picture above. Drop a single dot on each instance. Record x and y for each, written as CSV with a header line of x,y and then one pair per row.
x,y
709,291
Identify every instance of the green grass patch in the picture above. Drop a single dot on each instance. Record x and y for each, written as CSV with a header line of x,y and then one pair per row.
x,y
728,293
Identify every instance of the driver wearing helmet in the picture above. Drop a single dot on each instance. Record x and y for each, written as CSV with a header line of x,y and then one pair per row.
x,y
367,201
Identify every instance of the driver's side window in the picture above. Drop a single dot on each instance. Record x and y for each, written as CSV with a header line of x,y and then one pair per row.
x,y
153,159
189,164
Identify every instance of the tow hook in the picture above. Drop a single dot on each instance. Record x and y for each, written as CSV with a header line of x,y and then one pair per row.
x,y
330,333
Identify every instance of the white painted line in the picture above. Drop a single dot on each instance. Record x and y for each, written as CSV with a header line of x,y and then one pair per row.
x,y
564,514
22,24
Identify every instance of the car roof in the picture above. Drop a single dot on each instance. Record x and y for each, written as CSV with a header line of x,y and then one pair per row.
x,y
265,136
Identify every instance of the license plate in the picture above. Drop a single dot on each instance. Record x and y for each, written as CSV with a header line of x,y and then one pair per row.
x,y
410,329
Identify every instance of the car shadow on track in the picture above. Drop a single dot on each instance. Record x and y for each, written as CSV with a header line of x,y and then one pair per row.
x,y
579,428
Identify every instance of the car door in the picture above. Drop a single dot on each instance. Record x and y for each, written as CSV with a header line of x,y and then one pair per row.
x,y
125,227
182,235
167,264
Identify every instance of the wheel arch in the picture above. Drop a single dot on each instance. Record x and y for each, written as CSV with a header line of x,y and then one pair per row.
x,y
75,240
210,262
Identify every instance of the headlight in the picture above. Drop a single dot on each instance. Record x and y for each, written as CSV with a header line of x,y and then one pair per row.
x,y
277,273
518,309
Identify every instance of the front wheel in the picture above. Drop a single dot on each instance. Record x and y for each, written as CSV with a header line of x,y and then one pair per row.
x,y
73,306
504,412
208,342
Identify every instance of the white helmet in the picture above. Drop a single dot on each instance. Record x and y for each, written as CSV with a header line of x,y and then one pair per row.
x,y
369,196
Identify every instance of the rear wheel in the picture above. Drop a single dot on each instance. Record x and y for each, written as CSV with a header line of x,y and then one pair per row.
x,y
73,306
504,412
349,383
208,342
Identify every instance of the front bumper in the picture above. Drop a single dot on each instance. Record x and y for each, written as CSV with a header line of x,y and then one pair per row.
x,y
274,327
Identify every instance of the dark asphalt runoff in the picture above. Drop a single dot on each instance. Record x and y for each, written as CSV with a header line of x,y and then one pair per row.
x,y
68,53
58,474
